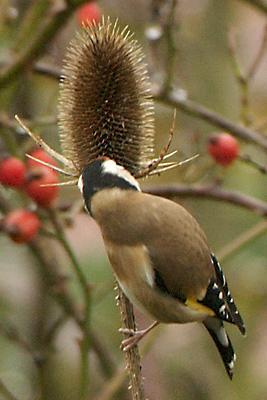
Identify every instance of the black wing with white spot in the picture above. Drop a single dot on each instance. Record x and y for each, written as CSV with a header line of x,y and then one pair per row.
x,y
219,299
215,300
232,309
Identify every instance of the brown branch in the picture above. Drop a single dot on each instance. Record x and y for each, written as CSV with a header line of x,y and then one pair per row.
x,y
175,99
212,192
255,164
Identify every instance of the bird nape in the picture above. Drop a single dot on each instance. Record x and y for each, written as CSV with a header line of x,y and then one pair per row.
x,y
159,255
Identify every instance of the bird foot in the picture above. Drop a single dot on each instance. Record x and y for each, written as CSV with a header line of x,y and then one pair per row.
x,y
135,337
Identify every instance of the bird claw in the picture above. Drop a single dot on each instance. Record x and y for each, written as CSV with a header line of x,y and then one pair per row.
x,y
130,342
135,336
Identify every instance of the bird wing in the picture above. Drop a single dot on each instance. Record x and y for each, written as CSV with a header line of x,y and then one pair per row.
x,y
177,248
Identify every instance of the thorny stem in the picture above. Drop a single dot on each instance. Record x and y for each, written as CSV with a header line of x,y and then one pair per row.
x,y
132,356
85,342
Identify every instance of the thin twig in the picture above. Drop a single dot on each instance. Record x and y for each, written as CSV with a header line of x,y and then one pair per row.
x,y
174,98
170,30
242,80
248,160
9,331
111,388
212,192
54,328
47,69
243,239
5,392
259,56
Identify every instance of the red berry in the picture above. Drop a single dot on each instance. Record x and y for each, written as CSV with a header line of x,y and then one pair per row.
x,y
41,155
223,148
87,13
44,196
12,172
21,225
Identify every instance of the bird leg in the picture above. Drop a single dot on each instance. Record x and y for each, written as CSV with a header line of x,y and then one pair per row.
x,y
135,336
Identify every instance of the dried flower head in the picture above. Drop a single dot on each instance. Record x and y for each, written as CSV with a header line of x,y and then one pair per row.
x,y
105,104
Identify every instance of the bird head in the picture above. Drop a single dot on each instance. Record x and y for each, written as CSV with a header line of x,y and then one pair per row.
x,y
104,173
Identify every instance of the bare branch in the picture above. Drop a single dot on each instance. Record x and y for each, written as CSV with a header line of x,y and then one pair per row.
x,y
175,99
253,68
243,239
212,192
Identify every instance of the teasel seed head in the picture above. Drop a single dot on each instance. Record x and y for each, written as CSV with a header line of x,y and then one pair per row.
x,y
105,102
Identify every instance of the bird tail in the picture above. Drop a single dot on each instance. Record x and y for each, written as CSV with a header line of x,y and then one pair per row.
x,y
216,330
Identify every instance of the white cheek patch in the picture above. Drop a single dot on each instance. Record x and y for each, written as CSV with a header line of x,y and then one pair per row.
x,y
110,167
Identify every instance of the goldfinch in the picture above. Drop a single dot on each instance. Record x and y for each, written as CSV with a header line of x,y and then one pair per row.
x,y
159,255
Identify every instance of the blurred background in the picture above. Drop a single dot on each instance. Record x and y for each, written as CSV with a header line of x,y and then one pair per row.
x,y
179,362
